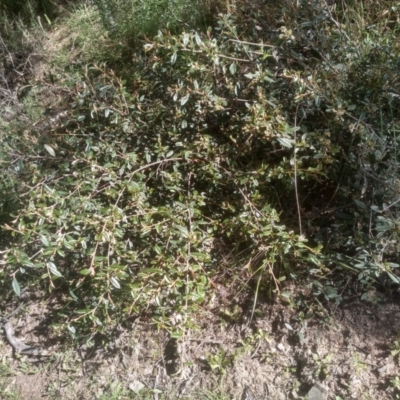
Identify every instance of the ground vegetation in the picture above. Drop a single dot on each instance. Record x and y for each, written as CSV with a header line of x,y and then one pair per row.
x,y
161,159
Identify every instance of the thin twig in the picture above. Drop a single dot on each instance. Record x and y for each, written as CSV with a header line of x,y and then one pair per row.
x,y
295,173
205,340
335,22
253,44
6,49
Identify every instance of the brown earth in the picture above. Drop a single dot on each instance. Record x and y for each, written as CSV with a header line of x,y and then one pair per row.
x,y
346,349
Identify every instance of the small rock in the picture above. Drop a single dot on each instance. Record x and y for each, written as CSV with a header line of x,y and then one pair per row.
x,y
136,386
386,369
317,392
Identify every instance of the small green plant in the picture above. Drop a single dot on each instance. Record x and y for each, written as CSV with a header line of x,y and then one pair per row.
x,y
323,365
290,370
302,320
220,361
395,383
211,395
116,391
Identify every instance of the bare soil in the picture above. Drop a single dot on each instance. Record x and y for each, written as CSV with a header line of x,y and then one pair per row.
x,y
345,348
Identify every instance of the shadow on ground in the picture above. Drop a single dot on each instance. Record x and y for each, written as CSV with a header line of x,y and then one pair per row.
x,y
348,349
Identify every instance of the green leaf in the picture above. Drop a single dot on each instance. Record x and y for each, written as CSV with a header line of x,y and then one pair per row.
x,y
28,263
183,230
232,68
184,100
185,39
176,335
158,250
84,271
73,295
393,278
53,269
44,240
60,252
83,311
50,150
285,142
16,287
71,329
360,204
288,326
114,281
198,39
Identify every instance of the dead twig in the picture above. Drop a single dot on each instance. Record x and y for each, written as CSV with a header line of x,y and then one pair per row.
x,y
18,345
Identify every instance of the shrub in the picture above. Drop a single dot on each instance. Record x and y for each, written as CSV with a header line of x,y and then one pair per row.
x,y
215,144
141,193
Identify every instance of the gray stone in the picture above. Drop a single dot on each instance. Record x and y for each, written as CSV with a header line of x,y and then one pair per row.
x,y
136,386
317,392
